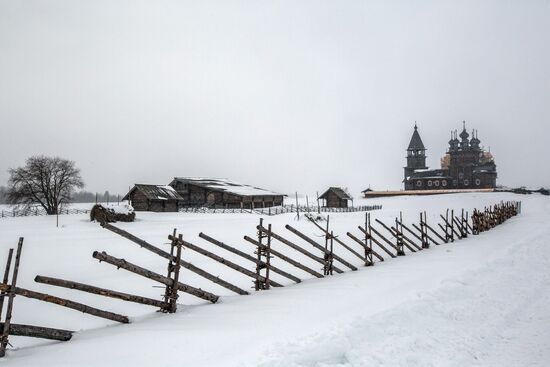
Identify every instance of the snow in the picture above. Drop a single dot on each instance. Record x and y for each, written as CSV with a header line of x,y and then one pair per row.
x,y
481,301
123,208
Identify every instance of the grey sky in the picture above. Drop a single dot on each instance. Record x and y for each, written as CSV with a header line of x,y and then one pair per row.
x,y
289,95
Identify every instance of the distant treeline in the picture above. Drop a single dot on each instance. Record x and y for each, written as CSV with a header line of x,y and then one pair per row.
x,y
78,197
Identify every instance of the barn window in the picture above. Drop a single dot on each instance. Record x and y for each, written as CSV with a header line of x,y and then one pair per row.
x,y
436,183
444,183
466,182
430,183
419,183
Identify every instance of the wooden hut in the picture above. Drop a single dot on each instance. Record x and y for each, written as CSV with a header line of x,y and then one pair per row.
x,y
153,198
335,197
223,193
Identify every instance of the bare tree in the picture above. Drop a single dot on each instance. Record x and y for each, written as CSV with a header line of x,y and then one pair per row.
x,y
45,181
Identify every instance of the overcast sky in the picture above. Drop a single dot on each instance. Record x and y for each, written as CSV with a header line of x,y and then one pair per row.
x,y
286,95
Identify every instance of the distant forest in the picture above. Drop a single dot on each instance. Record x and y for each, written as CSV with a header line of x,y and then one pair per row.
x,y
78,197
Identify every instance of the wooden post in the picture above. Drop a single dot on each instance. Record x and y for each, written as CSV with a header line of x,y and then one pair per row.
x,y
300,249
399,249
11,295
226,262
297,206
424,231
368,242
268,256
365,246
319,247
329,259
174,289
258,285
249,257
318,204
368,234
325,231
285,258
5,280
168,289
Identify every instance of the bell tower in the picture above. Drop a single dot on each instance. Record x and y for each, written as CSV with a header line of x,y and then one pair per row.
x,y
416,154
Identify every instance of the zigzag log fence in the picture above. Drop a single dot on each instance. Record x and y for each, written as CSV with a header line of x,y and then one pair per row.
x,y
398,237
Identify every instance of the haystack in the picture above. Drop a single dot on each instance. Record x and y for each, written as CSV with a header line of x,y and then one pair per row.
x,y
109,213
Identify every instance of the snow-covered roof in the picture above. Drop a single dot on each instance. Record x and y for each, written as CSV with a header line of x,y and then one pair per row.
x,y
155,192
341,193
225,185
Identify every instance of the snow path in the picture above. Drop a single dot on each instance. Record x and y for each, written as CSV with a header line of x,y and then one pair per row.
x,y
477,302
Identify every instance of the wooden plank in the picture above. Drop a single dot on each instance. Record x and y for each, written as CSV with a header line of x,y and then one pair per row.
x,y
66,303
121,263
297,248
409,231
340,242
285,258
99,291
435,233
319,247
388,242
463,232
11,294
371,237
249,257
39,332
407,239
393,233
450,226
427,235
228,263
166,255
350,235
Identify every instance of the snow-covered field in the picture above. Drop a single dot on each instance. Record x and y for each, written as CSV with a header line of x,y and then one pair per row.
x,y
481,301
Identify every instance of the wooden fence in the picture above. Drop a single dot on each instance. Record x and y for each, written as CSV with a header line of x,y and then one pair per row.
x,y
276,210
30,212
393,239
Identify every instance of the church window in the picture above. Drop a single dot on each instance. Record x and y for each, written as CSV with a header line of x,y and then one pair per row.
x,y
461,175
466,182
478,181
418,183
436,183
430,183
444,183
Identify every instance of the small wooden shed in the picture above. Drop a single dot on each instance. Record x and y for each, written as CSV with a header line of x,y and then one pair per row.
x,y
153,198
336,197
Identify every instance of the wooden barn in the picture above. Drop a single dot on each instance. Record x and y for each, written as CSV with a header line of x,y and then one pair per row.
x,y
335,197
223,193
153,198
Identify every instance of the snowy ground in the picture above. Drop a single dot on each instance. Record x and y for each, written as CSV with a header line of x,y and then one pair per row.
x,y
478,302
